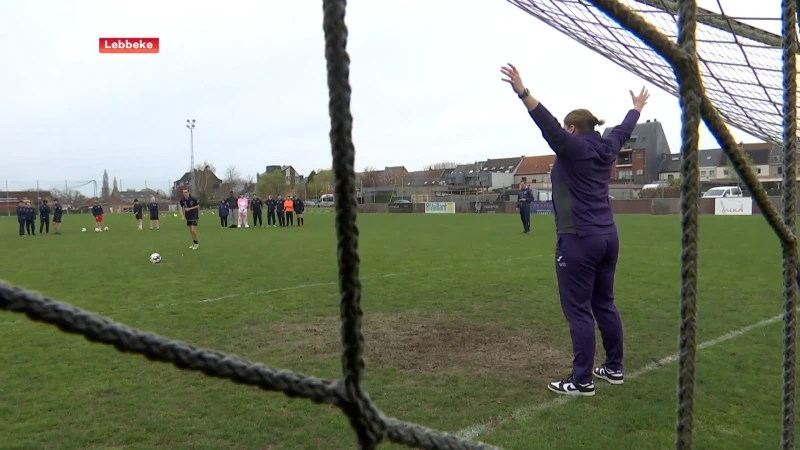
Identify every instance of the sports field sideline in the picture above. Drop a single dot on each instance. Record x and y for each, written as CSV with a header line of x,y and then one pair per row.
x,y
462,321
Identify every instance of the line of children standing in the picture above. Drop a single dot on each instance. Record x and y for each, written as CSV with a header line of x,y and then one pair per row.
x,y
280,212
26,216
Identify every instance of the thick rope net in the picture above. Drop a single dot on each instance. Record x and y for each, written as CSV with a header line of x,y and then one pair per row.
x,y
741,65
726,71
372,427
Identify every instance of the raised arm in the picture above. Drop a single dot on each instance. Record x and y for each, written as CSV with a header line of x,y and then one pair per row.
x,y
622,132
564,144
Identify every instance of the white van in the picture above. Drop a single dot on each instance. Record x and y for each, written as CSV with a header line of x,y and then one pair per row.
x,y
326,200
723,192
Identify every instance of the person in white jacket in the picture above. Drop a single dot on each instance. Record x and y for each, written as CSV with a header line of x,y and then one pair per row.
x,y
241,203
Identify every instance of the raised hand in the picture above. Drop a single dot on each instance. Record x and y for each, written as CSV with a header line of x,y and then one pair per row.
x,y
513,78
640,100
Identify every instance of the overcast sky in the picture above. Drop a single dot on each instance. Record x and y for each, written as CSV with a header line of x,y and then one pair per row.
x,y
425,75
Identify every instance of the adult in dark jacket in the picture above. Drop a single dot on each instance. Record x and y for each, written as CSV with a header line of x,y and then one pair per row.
x,y
232,206
587,244
524,200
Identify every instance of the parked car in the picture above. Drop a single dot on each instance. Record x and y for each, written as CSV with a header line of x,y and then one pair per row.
x,y
723,192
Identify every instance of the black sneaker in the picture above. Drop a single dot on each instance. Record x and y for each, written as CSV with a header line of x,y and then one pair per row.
x,y
612,376
568,386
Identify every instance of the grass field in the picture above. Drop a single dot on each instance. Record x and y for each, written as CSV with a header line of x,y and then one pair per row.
x,y
463,328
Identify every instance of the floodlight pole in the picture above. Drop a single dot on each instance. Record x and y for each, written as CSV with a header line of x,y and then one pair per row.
x,y
190,126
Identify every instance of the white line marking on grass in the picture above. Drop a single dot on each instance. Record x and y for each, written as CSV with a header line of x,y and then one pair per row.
x,y
473,431
292,288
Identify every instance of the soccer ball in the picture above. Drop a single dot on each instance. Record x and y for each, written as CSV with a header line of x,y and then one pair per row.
x,y
83,230
155,258
105,229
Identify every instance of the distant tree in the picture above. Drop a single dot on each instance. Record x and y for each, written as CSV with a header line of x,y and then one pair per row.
x,y
272,184
232,175
68,196
115,189
371,177
442,166
105,192
204,178
321,183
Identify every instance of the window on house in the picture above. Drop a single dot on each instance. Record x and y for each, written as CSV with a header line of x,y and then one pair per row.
x,y
780,170
639,155
639,171
758,170
702,173
725,172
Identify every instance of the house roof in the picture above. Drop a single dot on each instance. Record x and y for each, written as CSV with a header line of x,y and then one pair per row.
x,y
708,158
394,170
465,168
716,157
424,177
671,163
643,133
711,158
759,155
502,165
30,195
186,177
532,165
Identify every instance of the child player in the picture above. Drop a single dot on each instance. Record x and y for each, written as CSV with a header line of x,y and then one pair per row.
x,y
241,203
58,211
190,209
137,212
97,212
153,207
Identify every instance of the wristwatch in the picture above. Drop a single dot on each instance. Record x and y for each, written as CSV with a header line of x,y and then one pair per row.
x,y
524,94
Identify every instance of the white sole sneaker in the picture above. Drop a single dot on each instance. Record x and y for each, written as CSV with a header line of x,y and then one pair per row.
x,y
615,378
569,387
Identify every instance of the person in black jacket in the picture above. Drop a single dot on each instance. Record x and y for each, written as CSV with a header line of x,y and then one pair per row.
x,y
30,218
22,214
280,210
232,206
58,211
257,206
272,204
299,207
44,217
137,213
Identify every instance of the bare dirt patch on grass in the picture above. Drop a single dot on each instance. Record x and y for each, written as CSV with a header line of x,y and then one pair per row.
x,y
433,345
